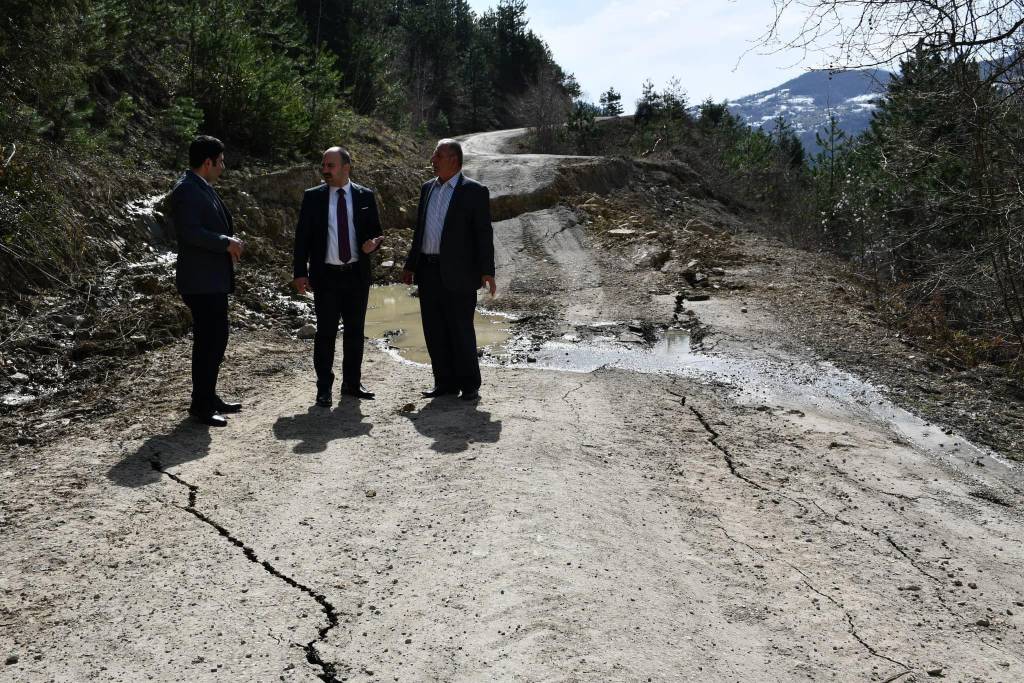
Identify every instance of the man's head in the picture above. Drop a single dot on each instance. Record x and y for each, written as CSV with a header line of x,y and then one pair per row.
x,y
206,157
447,159
336,166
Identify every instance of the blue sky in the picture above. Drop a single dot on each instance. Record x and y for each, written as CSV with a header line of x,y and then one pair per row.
x,y
620,43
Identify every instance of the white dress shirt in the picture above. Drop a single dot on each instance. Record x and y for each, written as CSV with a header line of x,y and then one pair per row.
x,y
333,254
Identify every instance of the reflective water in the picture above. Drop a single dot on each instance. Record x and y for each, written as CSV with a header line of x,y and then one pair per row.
x,y
775,380
393,315
671,354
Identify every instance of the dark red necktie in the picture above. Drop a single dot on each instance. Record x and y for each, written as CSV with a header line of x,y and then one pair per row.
x,y
344,249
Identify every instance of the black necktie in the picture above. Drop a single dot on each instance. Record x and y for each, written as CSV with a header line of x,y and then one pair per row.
x,y
344,249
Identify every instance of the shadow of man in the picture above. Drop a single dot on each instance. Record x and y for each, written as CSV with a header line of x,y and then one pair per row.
x,y
186,441
453,425
317,427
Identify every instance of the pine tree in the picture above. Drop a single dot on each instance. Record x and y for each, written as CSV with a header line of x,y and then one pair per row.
x,y
611,103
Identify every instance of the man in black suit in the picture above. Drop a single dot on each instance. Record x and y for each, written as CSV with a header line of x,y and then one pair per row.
x,y
451,257
207,252
338,229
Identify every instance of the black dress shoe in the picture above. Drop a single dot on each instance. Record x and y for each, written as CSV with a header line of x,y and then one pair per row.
x,y
470,395
434,392
225,407
323,399
208,418
359,391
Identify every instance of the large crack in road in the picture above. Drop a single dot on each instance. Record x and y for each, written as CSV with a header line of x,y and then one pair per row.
x,y
328,671
713,440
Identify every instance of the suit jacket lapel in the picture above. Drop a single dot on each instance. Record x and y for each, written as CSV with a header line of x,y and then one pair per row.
x,y
421,217
222,210
357,193
325,210
358,196
225,214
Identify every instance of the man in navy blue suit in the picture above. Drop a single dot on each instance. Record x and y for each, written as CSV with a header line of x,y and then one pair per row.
x,y
338,229
207,252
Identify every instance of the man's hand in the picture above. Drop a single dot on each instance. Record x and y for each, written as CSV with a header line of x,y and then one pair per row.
x,y
406,277
235,247
488,282
370,245
302,285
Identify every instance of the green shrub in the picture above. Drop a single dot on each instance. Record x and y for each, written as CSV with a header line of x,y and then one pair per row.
x,y
180,122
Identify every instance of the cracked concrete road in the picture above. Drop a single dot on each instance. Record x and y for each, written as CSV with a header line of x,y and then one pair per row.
x,y
573,526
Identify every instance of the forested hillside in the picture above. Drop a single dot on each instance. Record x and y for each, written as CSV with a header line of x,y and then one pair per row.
x,y
266,76
436,65
97,96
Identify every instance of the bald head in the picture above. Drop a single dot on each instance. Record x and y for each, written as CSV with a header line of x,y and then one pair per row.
x,y
336,166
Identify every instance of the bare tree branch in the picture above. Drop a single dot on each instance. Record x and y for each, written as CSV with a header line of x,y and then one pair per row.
x,y
872,33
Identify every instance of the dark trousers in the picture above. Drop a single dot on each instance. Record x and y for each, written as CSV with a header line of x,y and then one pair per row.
x,y
448,330
209,341
339,295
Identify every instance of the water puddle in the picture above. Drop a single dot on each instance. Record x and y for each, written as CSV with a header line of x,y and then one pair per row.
x,y
773,381
393,315
670,355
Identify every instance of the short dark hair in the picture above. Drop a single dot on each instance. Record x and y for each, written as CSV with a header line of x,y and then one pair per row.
x,y
452,145
202,148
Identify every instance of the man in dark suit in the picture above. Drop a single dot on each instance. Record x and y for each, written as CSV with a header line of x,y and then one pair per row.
x,y
451,257
207,252
338,229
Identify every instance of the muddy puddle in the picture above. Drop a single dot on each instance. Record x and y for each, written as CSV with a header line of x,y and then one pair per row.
x,y
393,318
810,392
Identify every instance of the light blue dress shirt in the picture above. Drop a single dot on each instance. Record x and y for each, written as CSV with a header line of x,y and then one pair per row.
x,y
437,208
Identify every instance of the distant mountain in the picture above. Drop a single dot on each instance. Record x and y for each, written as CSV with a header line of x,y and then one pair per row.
x,y
805,102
